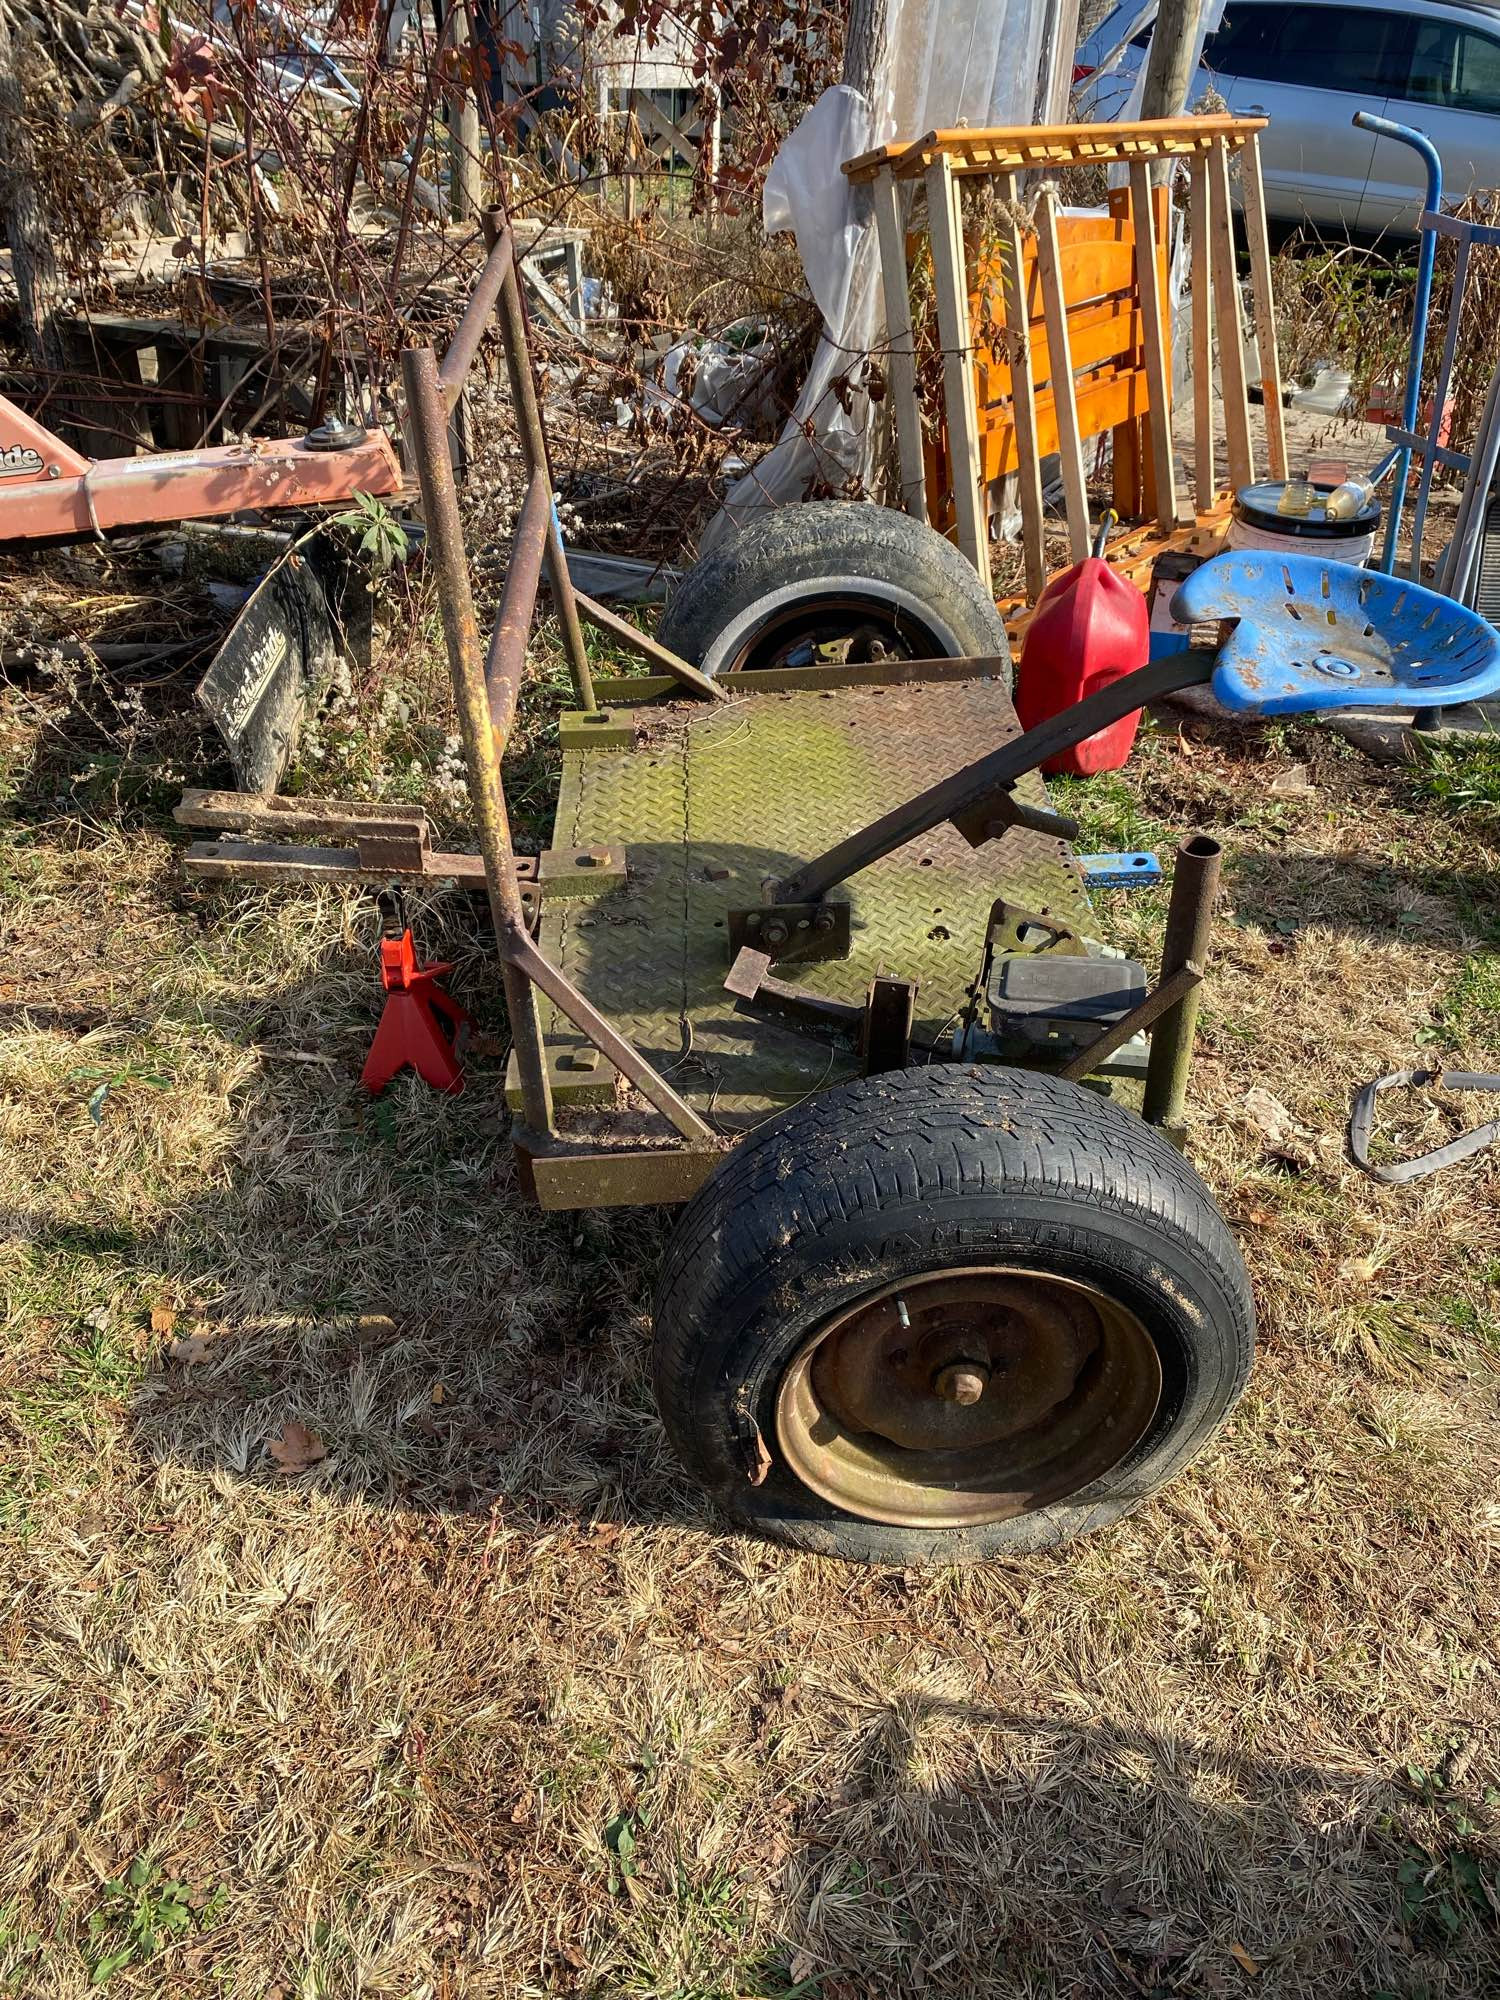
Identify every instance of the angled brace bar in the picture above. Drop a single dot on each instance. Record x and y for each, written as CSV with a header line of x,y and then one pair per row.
x,y
518,950
976,784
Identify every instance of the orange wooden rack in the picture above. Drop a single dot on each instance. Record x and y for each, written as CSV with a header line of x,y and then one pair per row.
x,y
1056,328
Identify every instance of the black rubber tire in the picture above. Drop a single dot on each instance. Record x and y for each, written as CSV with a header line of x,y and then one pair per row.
x,y
918,1170
826,548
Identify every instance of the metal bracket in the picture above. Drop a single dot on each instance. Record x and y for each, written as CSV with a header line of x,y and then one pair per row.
x,y
566,873
756,992
1012,931
595,729
393,849
791,931
996,815
890,1008
576,1076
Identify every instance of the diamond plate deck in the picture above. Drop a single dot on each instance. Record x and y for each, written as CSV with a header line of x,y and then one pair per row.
x,y
713,801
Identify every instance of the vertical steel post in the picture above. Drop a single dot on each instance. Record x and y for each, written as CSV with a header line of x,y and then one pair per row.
x,y
1195,885
429,431
534,448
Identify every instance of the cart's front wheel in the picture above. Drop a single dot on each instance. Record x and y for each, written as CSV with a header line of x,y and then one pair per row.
x,y
946,1314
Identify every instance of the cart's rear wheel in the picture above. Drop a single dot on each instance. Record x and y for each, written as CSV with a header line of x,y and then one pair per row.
x,y
947,1314
831,583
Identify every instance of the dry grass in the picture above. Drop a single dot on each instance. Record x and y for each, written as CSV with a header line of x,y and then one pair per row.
x,y
484,1703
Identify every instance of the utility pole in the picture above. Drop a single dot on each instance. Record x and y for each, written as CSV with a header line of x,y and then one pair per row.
x,y
1169,61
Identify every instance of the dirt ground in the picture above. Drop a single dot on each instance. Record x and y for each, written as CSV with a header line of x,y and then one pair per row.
x,y
362,1638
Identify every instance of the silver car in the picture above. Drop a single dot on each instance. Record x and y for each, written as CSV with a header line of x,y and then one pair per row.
x,y
1308,66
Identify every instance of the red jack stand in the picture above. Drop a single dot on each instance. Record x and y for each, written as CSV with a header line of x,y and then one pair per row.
x,y
420,1023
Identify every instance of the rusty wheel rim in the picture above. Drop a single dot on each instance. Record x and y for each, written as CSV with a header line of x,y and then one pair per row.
x,y
834,630
965,1396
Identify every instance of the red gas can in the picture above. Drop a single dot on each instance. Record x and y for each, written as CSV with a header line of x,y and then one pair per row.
x,y
1089,627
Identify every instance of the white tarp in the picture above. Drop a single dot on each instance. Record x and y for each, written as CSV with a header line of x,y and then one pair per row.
x,y
945,63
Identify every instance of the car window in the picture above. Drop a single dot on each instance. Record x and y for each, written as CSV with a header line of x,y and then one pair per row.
x,y
1453,66
1356,49
1244,43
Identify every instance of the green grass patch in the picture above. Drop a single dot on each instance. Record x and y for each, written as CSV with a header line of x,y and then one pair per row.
x,y
1463,779
1109,815
1468,1015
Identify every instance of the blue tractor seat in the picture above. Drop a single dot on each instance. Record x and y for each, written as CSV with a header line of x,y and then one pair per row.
x,y
1314,634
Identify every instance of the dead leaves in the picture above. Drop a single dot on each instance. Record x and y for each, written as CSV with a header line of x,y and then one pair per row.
x,y
188,1348
1285,1140
297,1449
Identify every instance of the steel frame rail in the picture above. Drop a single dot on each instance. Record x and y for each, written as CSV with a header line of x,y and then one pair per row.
x,y
487,686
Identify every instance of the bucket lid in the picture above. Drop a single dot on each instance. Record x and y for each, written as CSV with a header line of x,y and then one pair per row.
x,y
1256,507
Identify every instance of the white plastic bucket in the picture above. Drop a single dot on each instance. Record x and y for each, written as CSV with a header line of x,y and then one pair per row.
x,y
1355,549
1255,522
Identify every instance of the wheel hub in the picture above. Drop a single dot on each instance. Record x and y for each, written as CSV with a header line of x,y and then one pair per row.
x,y
834,630
967,1395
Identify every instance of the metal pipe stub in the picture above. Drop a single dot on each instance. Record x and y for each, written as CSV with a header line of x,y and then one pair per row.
x,y
1195,888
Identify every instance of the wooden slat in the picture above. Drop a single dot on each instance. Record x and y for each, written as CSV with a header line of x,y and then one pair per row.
x,y
1059,365
907,410
1205,480
1156,340
1098,269
954,332
1022,389
656,121
1004,148
1109,397
1253,195
1227,317
1106,332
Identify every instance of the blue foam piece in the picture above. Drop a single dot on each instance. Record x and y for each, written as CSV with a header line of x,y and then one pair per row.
x,y
1314,634
1119,871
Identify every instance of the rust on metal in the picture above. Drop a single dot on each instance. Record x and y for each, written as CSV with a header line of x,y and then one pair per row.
x,y
976,784
756,991
993,817
517,345
567,873
429,431
562,1176
1195,888
890,1009
887,673
804,932
465,343
394,850
505,665
967,1395
675,668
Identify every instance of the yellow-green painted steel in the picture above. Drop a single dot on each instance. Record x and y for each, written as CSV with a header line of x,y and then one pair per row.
x,y
710,802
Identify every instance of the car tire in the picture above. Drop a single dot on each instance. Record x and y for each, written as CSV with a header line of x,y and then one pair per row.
x,y
892,1186
792,570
